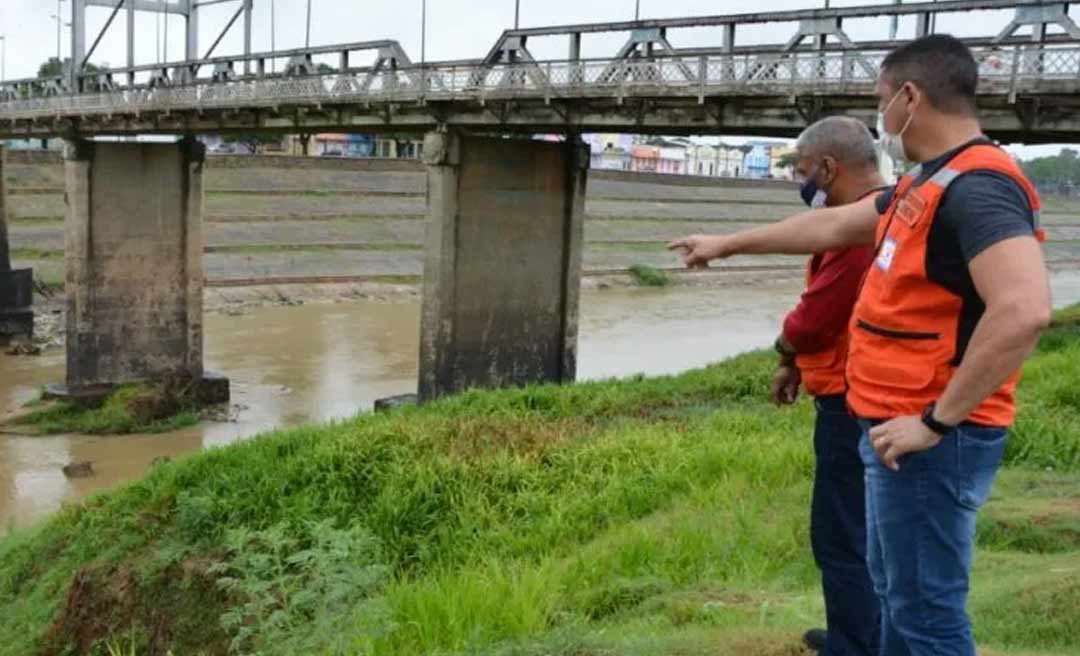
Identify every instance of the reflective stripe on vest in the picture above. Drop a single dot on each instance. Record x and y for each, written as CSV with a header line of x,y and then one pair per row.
x,y
948,175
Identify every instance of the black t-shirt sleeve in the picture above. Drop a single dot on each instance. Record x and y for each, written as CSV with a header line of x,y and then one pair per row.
x,y
883,199
983,208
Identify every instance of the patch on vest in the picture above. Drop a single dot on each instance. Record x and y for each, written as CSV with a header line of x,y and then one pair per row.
x,y
888,252
911,209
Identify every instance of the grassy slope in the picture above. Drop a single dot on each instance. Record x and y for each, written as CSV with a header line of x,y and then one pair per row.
x,y
650,516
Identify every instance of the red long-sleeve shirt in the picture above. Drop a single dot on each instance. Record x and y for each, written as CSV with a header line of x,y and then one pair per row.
x,y
824,310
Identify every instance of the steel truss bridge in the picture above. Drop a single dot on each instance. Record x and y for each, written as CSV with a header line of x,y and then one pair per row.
x,y
1029,89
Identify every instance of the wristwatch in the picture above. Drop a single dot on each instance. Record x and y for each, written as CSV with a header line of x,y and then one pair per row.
x,y
933,424
786,356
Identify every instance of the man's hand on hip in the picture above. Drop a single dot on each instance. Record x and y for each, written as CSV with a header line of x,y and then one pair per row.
x,y
900,436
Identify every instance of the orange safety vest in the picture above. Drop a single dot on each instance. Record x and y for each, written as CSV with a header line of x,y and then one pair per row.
x,y
823,372
905,327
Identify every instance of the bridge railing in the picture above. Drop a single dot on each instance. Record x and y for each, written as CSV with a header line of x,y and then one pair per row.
x,y
1012,70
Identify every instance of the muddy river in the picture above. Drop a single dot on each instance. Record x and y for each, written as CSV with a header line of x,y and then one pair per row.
x,y
315,362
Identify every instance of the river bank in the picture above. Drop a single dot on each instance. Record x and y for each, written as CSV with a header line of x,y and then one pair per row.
x,y
321,361
644,516
312,220
235,299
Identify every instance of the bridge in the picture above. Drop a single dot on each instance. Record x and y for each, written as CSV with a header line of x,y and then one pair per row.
x,y
1030,68
499,305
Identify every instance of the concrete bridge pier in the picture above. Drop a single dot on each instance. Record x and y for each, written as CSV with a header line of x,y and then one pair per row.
x,y
16,287
134,272
503,262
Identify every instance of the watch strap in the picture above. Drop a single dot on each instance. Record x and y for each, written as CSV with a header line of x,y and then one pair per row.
x,y
933,424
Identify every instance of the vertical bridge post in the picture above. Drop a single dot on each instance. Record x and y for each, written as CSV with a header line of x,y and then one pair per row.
x,y
134,247
5,253
16,287
502,271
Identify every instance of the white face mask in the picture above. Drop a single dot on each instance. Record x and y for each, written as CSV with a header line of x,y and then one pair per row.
x,y
892,144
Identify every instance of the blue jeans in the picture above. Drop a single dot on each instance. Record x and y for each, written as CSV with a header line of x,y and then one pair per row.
x,y
838,533
921,534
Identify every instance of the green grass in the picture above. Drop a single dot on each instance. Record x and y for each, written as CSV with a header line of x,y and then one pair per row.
x,y
225,217
628,246
115,415
36,254
251,249
649,276
677,219
35,220
646,516
318,193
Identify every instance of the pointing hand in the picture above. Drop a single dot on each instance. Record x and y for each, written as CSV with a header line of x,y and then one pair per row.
x,y
697,250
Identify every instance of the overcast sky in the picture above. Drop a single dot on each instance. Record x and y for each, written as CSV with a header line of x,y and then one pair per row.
x,y
456,29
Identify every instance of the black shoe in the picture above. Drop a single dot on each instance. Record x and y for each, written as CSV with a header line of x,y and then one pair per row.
x,y
815,639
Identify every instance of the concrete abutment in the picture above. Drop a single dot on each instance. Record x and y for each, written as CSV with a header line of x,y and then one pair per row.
x,y
503,262
134,271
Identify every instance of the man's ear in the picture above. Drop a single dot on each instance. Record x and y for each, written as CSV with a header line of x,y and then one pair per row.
x,y
913,94
830,169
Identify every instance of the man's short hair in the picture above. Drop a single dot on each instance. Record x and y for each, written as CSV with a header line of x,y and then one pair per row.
x,y
845,139
941,66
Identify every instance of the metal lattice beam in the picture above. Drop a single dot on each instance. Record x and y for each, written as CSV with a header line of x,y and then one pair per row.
x,y
189,9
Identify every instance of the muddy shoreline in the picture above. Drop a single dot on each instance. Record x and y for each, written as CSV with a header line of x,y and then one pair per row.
x,y
238,300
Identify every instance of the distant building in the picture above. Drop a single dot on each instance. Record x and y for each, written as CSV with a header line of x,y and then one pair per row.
x,y
365,145
344,145
701,160
644,159
673,159
715,160
611,159
758,161
661,156
33,144
731,160
611,152
600,141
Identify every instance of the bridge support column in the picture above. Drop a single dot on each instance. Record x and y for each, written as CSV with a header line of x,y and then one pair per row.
x,y
134,276
503,262
16,287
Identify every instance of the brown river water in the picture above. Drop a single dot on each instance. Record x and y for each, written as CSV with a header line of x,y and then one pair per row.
x,y
316,362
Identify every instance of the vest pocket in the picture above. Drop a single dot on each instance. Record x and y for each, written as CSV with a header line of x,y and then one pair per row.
x,y
894,359
896,334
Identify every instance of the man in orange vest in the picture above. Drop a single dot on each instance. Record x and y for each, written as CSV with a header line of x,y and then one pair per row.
x,y
955,301
837,164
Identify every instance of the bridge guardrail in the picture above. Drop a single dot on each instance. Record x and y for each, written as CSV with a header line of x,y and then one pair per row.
x,y
1010,70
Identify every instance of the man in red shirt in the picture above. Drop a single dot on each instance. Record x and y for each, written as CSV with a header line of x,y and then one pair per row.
x,y
837,162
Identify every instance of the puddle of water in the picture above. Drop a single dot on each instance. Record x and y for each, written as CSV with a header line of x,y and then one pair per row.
x,y
289,365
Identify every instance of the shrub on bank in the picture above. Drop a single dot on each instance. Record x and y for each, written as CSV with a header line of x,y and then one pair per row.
x,y
649,276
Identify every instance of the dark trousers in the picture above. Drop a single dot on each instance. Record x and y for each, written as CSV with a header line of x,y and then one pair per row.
x,y
838,533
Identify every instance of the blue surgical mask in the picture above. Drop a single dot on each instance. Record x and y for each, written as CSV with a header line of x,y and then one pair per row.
x,y
813,195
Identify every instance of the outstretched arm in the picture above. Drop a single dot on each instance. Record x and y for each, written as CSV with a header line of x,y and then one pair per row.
x,y
815,231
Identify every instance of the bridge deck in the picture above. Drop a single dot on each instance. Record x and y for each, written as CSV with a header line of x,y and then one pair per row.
x,y
1029,90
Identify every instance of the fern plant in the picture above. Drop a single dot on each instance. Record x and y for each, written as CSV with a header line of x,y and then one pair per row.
x,y
290,588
